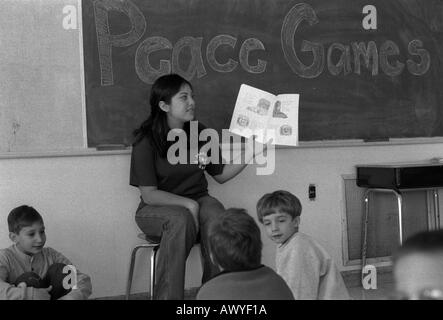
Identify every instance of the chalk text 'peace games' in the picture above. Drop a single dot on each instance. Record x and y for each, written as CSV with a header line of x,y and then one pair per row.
x,y
338,58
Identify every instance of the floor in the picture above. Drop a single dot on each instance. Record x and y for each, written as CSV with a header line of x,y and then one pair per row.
x,y
189,295
383,292
352,281
384,284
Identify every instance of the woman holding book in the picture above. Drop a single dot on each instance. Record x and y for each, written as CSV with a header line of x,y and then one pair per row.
x,y
175,206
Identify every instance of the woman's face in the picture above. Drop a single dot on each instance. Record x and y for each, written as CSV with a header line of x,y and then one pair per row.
x,y
181,109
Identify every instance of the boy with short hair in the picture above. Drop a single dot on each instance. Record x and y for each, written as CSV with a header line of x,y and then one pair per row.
x,y
29,271
301,261
418,267
235,246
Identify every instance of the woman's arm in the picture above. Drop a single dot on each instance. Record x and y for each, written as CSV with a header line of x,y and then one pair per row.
x,y
231,170
151,195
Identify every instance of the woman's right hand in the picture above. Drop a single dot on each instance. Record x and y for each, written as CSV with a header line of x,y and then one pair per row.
x,y
194,208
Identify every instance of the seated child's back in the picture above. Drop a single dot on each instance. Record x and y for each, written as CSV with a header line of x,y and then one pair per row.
x,y
302,262
235,246
28,271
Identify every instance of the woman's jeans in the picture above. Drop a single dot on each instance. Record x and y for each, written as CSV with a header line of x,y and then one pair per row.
x,y
175,226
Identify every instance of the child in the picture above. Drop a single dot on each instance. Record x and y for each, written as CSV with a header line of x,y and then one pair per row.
x,y
306,267
235,246
418,267
28,271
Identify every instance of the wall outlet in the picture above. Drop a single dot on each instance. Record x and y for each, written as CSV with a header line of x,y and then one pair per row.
x,y
312,192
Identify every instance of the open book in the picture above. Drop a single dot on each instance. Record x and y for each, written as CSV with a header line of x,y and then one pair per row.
x,y
265,115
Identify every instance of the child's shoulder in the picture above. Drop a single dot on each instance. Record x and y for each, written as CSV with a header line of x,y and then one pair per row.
x,y
303,239
6,252
11,250
308,243
9,254
49,252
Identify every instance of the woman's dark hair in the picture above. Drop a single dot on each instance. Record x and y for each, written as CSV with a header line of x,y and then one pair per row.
x,y
156,126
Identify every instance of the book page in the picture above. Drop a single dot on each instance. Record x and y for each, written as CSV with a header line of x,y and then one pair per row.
x,y
283,123
252,111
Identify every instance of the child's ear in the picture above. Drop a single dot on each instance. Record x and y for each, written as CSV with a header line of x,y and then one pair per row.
x,y
163,106
297,221
13,237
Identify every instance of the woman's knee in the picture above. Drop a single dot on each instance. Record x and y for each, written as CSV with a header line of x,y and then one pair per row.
x,y
211,203
154,220
181,219
181,228
209,209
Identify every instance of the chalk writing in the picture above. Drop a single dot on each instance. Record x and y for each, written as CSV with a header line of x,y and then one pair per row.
x,y
248,46
351,56
196,64
144,70
104,38
223,39
369,52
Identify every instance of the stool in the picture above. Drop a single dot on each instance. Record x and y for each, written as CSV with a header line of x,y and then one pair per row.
x,y
154,248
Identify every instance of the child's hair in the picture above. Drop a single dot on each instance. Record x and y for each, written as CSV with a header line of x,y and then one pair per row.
x,y
22,216
156,126
279,200
235,241
423,242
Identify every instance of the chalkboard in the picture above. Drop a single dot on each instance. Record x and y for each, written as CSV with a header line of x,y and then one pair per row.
x,y
362,72
41,103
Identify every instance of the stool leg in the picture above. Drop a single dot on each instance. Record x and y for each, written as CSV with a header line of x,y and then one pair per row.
x,y
131,272
152,282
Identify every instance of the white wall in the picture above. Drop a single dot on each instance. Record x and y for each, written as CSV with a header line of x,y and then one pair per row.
x,y
88,205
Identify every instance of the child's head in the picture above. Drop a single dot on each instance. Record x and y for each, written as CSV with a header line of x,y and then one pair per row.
x,y
418,266
279,212
234,241
26,229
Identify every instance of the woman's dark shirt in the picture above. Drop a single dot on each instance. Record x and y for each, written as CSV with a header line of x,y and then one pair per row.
x,y
148,168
